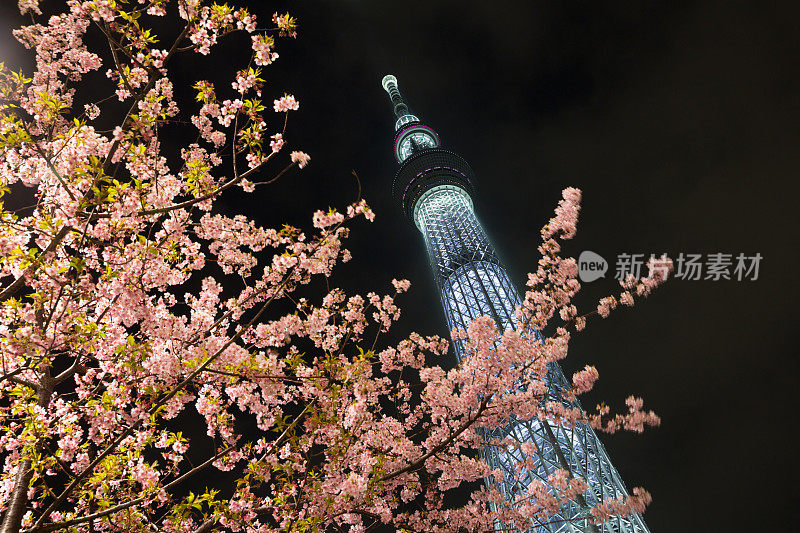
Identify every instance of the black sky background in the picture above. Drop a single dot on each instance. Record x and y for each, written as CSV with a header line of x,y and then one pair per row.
x,y
680,123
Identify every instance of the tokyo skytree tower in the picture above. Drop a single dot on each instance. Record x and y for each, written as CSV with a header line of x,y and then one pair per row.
x,y
435,187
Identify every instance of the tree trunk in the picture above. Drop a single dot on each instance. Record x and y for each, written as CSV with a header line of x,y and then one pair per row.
x,y
19,496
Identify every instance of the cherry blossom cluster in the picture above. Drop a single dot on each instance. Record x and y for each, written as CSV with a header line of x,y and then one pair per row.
x,y
301,158
287,25
658,272
286,103
636,503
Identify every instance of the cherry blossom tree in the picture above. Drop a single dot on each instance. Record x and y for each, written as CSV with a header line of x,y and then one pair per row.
x,y
116,326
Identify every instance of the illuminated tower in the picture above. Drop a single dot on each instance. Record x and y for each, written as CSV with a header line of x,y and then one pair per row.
x,y
434,187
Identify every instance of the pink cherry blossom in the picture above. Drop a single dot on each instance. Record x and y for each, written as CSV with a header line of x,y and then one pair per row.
x,y
277,143
29,5
584,379
262,48
401,285
286,103
301,158
286,24
92,111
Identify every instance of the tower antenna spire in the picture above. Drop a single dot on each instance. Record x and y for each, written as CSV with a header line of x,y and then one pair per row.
x,y
412,136
399,106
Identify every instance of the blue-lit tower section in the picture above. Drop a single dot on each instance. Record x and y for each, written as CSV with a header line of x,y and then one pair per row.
x,y
435,187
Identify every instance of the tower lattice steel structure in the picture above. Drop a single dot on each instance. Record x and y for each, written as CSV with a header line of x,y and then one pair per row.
x,y
434,187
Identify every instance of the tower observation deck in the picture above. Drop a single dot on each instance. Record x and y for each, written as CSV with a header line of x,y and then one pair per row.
x,y
434,188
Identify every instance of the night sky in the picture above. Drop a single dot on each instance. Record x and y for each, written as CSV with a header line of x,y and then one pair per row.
x,y
680,121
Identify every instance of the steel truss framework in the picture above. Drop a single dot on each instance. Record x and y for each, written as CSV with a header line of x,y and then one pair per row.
x,y
473,283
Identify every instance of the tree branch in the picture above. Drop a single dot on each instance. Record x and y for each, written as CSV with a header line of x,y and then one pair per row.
x,y
188,203
20,281
436,449
19,495
122,506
